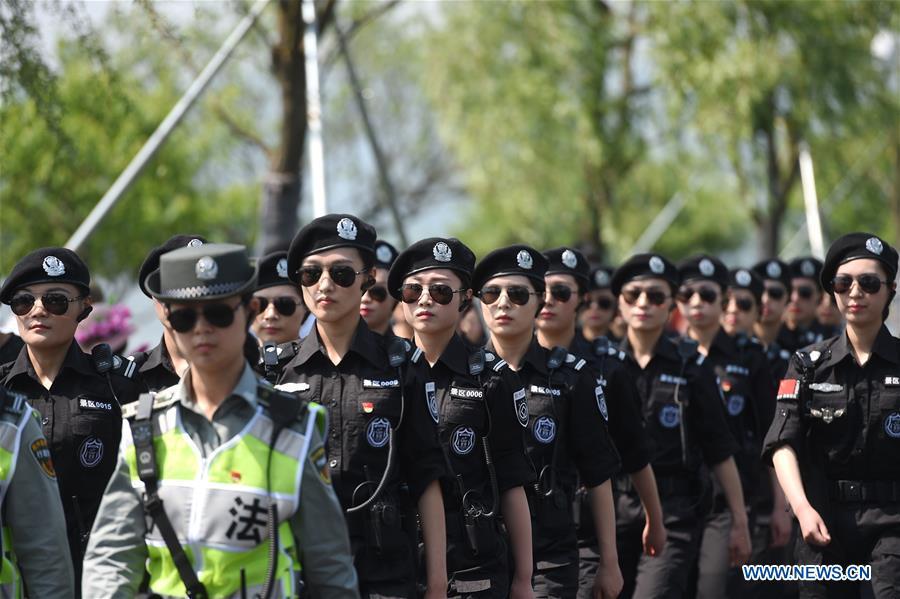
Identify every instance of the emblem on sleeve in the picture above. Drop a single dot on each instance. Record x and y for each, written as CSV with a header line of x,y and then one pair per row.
x,y
41,453
544,429
53,266
669,417
788,389
346,229
601,400
431,401
569,259
520,405
462,440
524,260
442,252
91,452
206,269
735,404
657,266
378,432
892,425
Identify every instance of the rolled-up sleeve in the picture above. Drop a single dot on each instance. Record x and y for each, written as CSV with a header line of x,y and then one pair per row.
x,y
787,426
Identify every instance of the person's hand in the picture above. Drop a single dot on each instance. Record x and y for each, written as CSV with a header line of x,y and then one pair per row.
x,y
739,543
436,591
521,588
654,538
779,528
812,526
608,582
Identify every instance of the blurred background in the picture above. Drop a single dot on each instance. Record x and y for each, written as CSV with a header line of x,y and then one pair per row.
x,y
612,126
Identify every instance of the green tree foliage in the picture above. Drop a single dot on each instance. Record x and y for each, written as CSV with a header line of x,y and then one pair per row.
x,y
54,173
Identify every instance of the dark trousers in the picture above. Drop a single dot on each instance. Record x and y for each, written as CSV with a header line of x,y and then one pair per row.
x,y
556,578
763,554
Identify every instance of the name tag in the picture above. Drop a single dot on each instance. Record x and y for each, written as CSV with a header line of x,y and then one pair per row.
x,y
378,384
672,379
538,390
293,387
826,387
466,393
737,369
92,404
892,381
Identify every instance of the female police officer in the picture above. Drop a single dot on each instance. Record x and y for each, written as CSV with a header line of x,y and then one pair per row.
x,y
221,488
566,439
480,408
835,439
77,397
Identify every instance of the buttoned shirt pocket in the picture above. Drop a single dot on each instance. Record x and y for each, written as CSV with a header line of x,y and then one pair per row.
x,y
888,432
827,414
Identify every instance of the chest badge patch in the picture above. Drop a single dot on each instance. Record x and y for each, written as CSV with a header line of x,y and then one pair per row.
x,y
520,405
91,452
431,401
462,440
892,425
668,416
544,429
736,404
378,432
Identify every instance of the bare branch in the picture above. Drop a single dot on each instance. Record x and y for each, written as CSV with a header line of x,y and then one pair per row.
x,y
356,26
237,128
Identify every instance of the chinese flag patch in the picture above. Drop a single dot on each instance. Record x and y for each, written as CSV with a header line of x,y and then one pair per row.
x,y
788,389
367,407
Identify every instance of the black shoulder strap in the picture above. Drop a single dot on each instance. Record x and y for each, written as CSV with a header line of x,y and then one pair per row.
x,y
142,434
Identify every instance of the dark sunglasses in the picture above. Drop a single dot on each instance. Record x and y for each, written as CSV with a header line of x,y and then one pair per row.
x,y
707,294
870,284
744,304
218,315
378,293
440,293
561,293
602,303
340,274
284,305
804,291
656,297
54,303
517,294
775,293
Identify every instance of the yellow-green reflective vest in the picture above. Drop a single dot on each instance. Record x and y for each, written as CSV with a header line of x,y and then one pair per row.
x,y
10,439
218,505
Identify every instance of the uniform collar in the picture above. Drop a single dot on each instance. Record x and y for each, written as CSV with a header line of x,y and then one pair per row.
x,y
75,359
245,389
364,343
535,355
724,344
456,355
158,356
665,348
885,346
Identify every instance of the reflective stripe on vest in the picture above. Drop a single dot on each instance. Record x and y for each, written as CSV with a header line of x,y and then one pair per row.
x,y
218,505
10,440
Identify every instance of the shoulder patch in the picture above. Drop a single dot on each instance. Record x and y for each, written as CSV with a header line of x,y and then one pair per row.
x,y
319,460
489,357
41,453
520,406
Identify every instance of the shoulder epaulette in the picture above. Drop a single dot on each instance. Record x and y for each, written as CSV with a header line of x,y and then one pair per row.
x,y
11,402
160,401
499,365
125,367
576,362
416,355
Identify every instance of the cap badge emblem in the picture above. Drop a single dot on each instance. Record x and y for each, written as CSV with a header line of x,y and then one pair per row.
x,y
193,243
874,245
569,259
383,254
807,268
346,229
524,260
281,268
657,266
206,269
773,269
53,266
601,278
442,252
707,269
742,277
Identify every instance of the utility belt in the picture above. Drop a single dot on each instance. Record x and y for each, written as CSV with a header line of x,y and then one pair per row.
x,y
864,491
384,525
479,531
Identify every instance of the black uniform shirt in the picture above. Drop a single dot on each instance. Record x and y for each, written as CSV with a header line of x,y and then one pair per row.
x,y
470,407
778,358
155,369
362,395
850,414
798,338
708,436
626,425
82,423
9,351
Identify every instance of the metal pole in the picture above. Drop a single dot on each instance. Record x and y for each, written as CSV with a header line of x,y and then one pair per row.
x,y
811,201
155,142
314,110
658,226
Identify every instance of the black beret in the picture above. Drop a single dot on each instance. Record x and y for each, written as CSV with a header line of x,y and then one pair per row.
x,y
705,267
743,278
568,261
429,254
854,246
273,270
385,254
151,262
601,276
327,233
645,266
205,272
774,270
47,265
806,267
511,260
